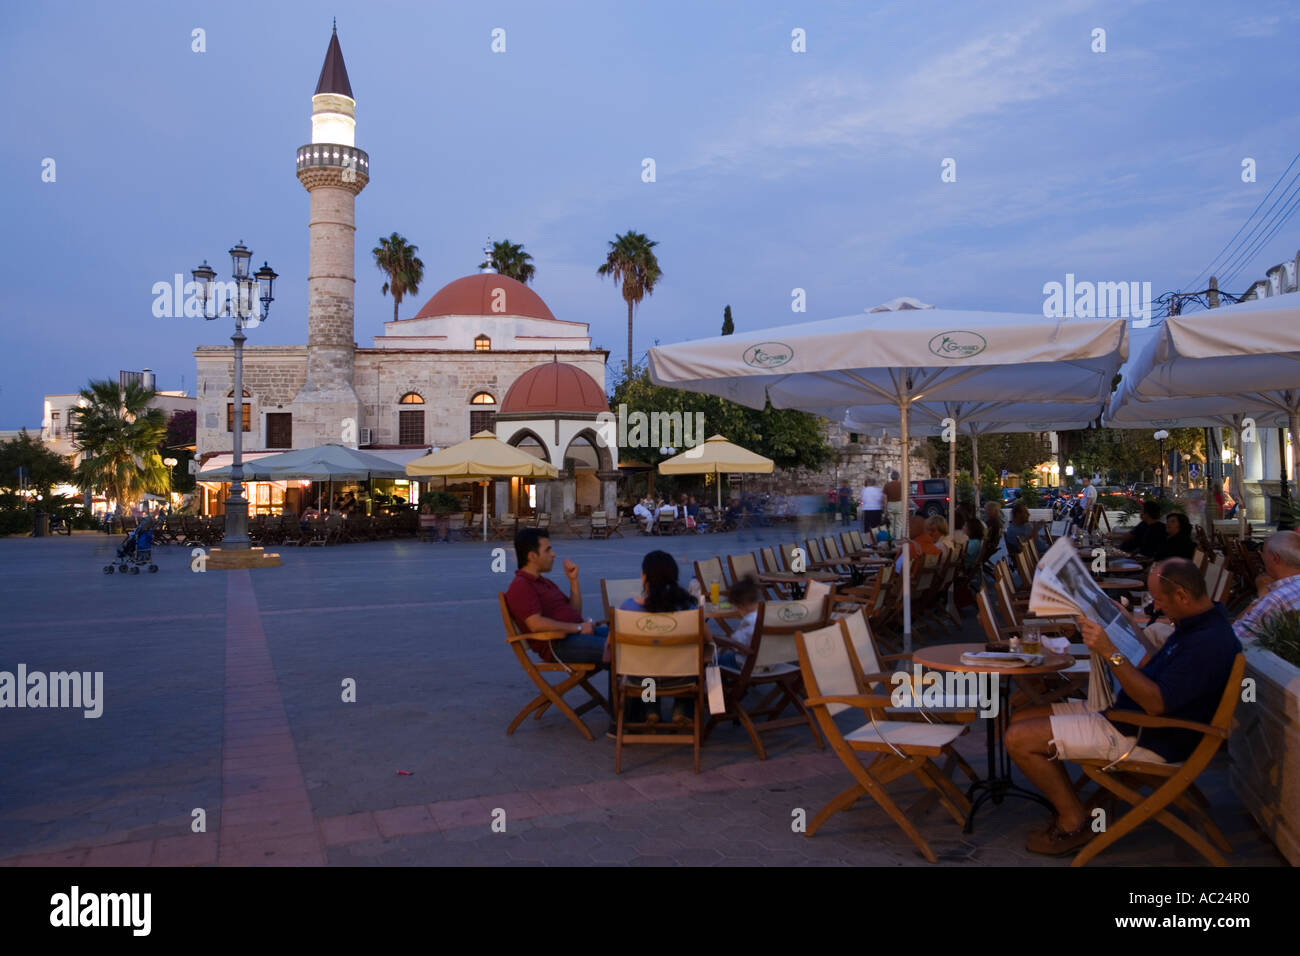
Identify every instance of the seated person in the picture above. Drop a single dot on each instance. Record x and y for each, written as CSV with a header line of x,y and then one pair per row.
x,y
1278,588
660,593
1149,535
643,513
537,604
743,595
922,543
1019,530
1184,679
936,526
1178,541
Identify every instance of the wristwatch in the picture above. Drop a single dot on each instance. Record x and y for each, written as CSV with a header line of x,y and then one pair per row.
x,y
1117,658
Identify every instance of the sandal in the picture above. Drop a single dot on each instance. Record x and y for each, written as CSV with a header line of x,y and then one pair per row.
x,y
1057,842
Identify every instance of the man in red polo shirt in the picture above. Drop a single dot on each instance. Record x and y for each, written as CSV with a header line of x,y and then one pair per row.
x,y
537,604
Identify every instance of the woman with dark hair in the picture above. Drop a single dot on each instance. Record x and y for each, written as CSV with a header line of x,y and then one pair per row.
x,y
660,593
1178,541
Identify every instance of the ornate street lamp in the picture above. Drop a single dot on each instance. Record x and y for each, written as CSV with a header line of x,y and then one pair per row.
x,y
239,300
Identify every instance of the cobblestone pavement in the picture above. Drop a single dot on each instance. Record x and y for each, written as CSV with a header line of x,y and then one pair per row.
x,y
223,694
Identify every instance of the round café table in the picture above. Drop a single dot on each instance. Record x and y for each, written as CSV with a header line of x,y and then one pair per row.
x,y
998,784
1121,584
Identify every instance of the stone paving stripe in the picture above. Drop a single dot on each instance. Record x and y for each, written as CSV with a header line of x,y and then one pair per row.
x,y
258,754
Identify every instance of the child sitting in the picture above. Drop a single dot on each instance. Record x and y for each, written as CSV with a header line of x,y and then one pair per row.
x,y
743,595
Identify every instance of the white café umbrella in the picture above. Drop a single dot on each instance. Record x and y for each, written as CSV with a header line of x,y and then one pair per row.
x,y
975,419
1242,354
1146,375
897,358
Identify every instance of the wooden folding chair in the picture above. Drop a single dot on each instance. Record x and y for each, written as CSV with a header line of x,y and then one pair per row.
x,y
599,524
877,680
834,682
614,591
740,565
1171,783
709,572
766,666
670,649
788,557
579,676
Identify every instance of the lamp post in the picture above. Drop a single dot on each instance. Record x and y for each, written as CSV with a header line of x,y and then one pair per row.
x,y
236,300
1160,436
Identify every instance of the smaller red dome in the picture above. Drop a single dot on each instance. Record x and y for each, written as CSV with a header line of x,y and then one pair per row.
x,y
554,387
485,293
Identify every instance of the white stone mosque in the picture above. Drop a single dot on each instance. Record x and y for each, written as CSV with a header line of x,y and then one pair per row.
x,y
484,352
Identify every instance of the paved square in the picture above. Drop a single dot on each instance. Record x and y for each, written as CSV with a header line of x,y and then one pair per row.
x,y
223,694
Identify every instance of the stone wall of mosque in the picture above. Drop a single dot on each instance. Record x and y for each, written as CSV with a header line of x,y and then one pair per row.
x,y
447,381
272,377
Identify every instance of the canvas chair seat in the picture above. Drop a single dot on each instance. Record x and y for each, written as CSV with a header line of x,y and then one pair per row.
x,y
770,671
907,733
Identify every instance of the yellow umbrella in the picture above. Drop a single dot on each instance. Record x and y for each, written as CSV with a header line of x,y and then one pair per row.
x,y
714,457
481,457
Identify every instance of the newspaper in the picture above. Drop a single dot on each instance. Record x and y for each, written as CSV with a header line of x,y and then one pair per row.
x,y
1062,585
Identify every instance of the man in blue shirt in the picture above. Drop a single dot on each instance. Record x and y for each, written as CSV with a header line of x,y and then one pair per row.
x,y
1184,679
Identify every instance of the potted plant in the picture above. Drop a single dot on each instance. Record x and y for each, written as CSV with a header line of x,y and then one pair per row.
x,y
1265,745
442,505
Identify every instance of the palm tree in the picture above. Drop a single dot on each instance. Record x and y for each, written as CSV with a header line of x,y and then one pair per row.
x,y
632,262
120,435
396,258
509,259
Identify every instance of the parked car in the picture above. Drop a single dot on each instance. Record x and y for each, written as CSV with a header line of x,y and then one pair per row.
x,y
930,496
1009,495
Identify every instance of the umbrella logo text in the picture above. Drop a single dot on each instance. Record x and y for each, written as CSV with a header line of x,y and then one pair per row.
x,y
958,344
768,355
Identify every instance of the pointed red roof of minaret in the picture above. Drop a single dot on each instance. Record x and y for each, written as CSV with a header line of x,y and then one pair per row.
x,y
334,74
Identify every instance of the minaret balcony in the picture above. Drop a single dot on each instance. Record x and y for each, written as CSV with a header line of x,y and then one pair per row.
x,y
332,154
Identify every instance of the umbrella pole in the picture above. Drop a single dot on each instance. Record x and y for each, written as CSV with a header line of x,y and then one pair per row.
x,y
952,482
906,538
975,466
485,488
717,475
1241,481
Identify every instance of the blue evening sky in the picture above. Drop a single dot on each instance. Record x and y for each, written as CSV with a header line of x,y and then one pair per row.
x,y
775,169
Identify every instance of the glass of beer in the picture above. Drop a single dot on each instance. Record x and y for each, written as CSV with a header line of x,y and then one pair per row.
x,y
1032,638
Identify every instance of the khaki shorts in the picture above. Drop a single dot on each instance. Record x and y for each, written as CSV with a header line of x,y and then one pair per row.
x,y
1081,734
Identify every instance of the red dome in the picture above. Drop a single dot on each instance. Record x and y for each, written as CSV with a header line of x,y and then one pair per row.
x,y
477,294
554,387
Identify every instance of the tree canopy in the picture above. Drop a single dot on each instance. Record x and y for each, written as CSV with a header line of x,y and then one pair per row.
x,y
790,438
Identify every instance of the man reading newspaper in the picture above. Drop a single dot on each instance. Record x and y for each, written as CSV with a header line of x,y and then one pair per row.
x,y
1183,679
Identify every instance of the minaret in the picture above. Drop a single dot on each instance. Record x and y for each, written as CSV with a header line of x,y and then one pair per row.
x,y
333,171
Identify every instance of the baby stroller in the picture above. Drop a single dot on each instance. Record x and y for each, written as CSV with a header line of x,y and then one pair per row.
x,y
136,551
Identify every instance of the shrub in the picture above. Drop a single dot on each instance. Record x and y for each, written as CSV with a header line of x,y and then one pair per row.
x,y
16,521
1280,633
440,502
